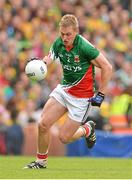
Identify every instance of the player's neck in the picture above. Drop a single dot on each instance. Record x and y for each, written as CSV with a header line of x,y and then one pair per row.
x,y
68,48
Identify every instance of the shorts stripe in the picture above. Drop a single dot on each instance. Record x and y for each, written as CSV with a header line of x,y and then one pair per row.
x,y
86,113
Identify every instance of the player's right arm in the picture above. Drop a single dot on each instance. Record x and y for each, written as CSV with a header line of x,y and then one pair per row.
x,y
47,59
53,53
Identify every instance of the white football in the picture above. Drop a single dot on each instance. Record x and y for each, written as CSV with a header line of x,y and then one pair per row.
x,y
36,70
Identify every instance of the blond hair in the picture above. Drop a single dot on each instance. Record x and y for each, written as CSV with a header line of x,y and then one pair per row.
x,y
69,20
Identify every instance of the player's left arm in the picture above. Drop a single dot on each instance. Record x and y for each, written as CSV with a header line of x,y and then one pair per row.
x,y
106,71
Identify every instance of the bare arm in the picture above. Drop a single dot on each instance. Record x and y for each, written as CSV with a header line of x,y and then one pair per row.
x,y
47,59
106,71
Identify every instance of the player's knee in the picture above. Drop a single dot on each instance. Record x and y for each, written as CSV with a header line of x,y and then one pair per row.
x,y
43,127
64,139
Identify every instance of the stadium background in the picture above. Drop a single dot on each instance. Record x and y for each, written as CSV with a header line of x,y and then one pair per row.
x,y
27,29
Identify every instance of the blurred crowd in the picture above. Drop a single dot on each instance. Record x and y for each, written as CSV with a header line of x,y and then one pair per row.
x,y
28,28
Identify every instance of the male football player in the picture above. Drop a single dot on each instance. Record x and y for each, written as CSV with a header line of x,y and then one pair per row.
x,y
75,94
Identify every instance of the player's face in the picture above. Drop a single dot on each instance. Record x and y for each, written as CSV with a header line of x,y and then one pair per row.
x,y
68,35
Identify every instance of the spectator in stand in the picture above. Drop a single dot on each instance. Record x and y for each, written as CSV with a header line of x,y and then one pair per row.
x,y
14,136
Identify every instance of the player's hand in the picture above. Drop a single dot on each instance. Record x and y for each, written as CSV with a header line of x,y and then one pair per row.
x,y
47,59
97,100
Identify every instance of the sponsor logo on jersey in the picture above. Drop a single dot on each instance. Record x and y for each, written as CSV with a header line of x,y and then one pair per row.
x,y
76,58
72,68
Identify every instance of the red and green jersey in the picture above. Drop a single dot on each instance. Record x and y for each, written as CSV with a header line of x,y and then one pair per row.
x,y
78,72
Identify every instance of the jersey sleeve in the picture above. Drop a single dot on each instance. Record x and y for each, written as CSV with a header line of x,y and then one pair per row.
x,y
53,53
89,50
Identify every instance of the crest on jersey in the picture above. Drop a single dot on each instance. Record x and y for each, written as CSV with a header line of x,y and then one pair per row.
x,y
76,58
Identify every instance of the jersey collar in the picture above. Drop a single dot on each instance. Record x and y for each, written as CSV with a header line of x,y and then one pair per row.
x,y
69,48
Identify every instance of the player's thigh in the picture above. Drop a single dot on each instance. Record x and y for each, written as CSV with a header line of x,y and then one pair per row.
x,y
68,129
52,111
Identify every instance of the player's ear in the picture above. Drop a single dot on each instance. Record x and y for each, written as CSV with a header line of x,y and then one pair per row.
x,y
77,30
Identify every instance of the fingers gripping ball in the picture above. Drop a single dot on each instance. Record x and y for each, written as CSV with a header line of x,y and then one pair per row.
x,y
36,70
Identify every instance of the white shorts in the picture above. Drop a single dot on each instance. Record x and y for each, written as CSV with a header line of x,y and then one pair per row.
x,y
78,108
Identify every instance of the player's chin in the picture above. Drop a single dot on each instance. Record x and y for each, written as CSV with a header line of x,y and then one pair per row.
x,y
66,43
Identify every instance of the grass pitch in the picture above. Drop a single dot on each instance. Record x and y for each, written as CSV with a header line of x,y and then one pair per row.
x,y
11,167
